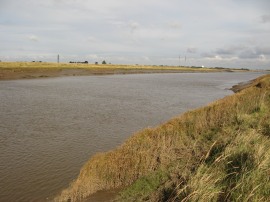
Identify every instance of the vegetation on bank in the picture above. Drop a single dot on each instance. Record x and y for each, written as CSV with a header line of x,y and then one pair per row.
x,y
104,65
30,70
38,69
220,152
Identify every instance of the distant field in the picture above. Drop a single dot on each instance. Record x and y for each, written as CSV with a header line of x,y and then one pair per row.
x,y
28,70
91,66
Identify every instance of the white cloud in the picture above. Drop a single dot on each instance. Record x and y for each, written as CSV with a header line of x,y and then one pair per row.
x,y
262,57
175,25
133,26
33,38
91,39
146,58
126,31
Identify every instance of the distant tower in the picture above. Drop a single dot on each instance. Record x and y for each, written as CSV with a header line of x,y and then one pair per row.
x,y
58,58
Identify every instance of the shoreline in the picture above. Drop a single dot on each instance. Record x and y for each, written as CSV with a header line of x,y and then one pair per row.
x,y
154,145
20,70
50,73
112,194
244,85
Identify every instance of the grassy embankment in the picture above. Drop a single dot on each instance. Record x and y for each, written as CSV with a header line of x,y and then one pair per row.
x,y
220,152
48,65
21,70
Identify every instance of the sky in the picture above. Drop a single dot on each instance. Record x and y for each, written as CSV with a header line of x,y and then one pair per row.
x,y
223,33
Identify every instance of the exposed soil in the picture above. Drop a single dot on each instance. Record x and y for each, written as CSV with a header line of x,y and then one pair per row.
x,y
241,86
30,73
104,195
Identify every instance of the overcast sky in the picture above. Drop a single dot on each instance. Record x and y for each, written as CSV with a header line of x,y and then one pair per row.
x,y
227,33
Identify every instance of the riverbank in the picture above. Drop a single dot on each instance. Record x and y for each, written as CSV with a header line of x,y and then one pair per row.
x,y
30,70
218,152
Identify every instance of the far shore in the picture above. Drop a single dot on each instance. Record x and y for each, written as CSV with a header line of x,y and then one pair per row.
x,y
32,70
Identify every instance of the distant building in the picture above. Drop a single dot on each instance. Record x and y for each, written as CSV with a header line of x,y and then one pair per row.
x,y
85,62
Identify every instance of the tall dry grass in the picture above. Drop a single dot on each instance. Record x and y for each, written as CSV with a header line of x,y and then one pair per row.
x,y
51,65
193,157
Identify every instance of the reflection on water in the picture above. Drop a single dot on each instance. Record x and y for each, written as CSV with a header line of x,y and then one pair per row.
x,y
50,127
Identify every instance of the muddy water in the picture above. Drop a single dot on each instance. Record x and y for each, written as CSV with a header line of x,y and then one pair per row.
x,y
50,127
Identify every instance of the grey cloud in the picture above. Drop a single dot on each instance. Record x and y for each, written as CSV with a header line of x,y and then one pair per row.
x,y
265,18
117,23
91,39
133,26
212,55
175,25
242,52
263,50
208,55
231,50
191,50
224,51
248,54
255,52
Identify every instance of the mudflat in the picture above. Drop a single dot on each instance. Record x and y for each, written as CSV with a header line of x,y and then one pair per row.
x,y
29,70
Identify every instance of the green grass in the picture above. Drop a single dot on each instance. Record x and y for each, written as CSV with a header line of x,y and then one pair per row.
x,y
220,152
143,187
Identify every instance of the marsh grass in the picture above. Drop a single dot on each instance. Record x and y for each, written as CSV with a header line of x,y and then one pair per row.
x,y
220,152
50,65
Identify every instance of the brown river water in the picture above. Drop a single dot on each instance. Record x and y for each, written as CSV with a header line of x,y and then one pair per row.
x,y
50,127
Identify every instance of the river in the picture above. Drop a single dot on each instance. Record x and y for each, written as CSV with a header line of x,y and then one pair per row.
x,y
50,127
